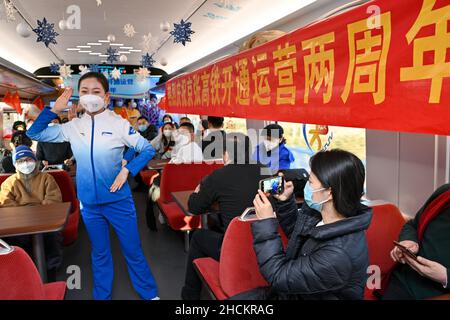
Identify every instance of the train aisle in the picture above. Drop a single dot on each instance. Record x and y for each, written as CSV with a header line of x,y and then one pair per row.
x,y
164,251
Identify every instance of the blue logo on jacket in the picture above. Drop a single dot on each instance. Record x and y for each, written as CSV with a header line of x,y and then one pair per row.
x,y
132,131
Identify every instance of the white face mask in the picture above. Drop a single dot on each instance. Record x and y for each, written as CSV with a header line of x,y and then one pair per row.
x,y
182,139
167,133
26,167
270,145
134,105
92,103
119,103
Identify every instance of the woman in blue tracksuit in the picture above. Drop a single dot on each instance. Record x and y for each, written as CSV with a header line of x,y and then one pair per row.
x,y
98,140
273,152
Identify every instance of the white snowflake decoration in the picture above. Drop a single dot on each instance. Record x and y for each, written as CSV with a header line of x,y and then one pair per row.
x,y
9,11
83,70
129,30
142,74
147,42
99,3
65,71
115,74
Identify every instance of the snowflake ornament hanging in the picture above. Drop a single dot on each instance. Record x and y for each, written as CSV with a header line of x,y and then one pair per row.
x,y
46,32
129,30
115,74
147,61
182,32
147,42
65,71
94,67
99,3
9,11
142,74
83,70
112,55
54,68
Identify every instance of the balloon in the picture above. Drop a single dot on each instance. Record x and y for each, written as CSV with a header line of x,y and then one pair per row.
x,y
123,58
163,61
111,38
63,25
23,30
164,26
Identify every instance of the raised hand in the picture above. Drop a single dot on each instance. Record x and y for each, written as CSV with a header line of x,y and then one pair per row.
x,y
62,102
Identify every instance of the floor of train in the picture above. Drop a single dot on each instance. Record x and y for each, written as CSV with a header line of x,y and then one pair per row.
x,y
163,249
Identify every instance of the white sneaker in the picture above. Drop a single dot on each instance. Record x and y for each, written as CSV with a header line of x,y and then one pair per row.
x,y
161,219
156,298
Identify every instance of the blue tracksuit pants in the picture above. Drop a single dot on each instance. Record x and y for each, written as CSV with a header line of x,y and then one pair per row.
x,y
122,216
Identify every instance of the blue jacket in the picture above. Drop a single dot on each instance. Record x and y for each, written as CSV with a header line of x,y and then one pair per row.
x,y
280,162
98,144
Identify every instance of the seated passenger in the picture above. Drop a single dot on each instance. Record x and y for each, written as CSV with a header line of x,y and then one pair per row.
x,y
428,236
185,149
327,255
30,187
164,142
51,153
19,126
273,152
233,188
213,139
148,131
19,138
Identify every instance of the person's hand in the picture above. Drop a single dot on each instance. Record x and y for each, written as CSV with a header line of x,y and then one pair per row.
x,y
45,163
68,162
120,180
288,190
429,269
72,114
397,254
124,163
62,102
263,207
197,189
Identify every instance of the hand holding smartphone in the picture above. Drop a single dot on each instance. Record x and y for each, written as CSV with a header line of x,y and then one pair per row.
x,y
405,250
272,186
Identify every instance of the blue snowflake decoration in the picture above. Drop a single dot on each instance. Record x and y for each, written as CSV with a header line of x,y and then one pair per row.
x,y
112,55
94,68
147,61
182,32
46,32
54,68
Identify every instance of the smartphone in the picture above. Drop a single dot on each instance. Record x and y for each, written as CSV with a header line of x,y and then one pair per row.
x,y
273,185
405,250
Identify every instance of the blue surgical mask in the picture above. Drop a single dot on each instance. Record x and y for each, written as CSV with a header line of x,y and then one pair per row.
x,y
307,194
142,127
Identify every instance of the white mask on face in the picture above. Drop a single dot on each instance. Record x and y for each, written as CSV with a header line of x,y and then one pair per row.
x,y
182,139
26,167
92,103
119,103
270,145
167,133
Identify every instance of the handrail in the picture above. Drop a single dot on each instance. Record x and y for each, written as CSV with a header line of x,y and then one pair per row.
x,y
5,248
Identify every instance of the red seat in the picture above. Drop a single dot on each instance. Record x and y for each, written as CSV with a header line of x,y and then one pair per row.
x,y
65,183
181,177
238,269
20,280
147,176
385,227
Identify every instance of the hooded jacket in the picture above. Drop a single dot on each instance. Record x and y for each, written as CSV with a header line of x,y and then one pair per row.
x,y
321,262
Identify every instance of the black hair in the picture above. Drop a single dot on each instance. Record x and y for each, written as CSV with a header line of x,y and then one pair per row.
x,y
216,122
58,119
142,117
168,115
153,96
276,130
164,138
185,118
19,123
96,75
344,173
20,138
238,146
189,126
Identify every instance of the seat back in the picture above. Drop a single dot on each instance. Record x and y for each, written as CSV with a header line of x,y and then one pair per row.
x,y
4,176
239,269
19,278
385,227
182,177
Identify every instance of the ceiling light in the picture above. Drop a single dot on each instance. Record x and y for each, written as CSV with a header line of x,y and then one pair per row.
x,y
85,51
126,48
83,46
124,52
73,49
103,55
116,44
103,61
103,41
94,44
95,53
135,50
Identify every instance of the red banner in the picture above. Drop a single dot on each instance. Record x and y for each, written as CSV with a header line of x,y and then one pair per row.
x,y
384,65
13,100
39,103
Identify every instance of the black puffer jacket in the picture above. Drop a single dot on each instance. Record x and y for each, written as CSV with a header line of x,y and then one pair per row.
x,y
325,262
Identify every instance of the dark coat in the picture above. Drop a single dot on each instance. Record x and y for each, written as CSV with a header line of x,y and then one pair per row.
x,y
325,262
